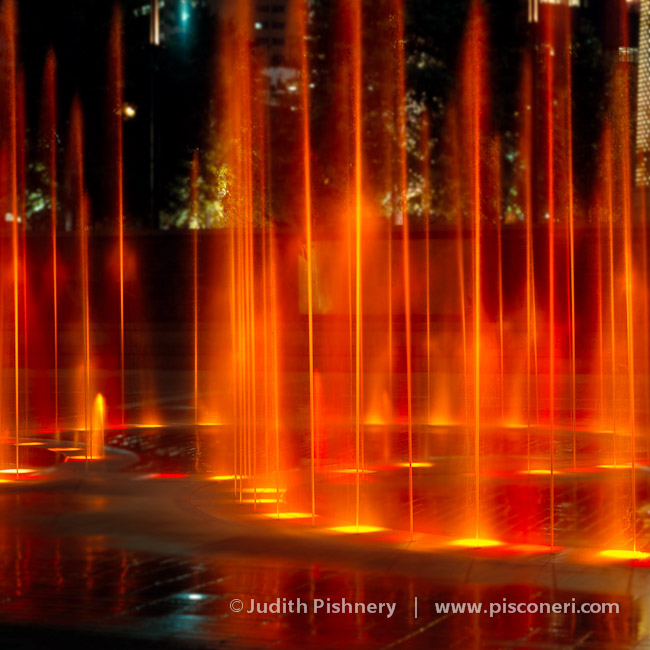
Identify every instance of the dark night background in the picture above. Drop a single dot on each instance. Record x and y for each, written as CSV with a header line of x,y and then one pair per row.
x,y
78,31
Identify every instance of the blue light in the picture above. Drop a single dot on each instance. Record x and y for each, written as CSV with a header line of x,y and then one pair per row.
x,y
185,14
195,596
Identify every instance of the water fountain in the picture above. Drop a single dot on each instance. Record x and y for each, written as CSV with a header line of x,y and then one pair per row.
x,y
377,370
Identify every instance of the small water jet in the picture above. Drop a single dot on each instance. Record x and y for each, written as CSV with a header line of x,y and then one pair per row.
x,y
95,439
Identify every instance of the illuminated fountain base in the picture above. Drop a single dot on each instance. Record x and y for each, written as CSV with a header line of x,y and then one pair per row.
x,y
48,459
514,491
373,501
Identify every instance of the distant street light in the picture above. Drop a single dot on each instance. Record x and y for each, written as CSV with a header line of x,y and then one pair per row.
x,y
128,111
185,12
154,24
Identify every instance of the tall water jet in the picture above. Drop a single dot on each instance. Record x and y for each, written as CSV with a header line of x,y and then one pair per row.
x,y
300,9
50,117
609,189
496,192
116,105
600,210
274,320
474,114
425,136
261,117
21,225
568,100
9,27
549,60
622,115
455,174
526,119
194,216
356,55
81,205
240,78
352,24
228,55
406,259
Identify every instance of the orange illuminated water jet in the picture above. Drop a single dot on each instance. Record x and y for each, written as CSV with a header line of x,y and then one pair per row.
x,y
474,97
95,442
81,205
570,220
117,102
425,138
550,161
49,92
400,63
301,10
9,21
194,210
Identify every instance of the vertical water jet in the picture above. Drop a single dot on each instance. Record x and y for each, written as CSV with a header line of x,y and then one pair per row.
x,y
400,65
425,136
301,9
116,90
474,115
49,94
194,217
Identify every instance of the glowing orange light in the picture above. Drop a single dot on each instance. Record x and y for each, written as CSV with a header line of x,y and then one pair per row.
x,y
163,475
616,466
83,457
224,477
30,444
148,426
129,111
475,542
288,515
415,464
354,471
64,448
624,555
261,500
264,490
21,470
354,530
537,472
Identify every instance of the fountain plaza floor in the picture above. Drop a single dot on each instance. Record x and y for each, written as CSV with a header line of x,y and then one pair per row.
x,y
141,551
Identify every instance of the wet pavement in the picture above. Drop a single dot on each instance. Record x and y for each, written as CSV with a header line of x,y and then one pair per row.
x,y
150,554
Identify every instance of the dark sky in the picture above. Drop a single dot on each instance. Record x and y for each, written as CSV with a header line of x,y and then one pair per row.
x,y
78,31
